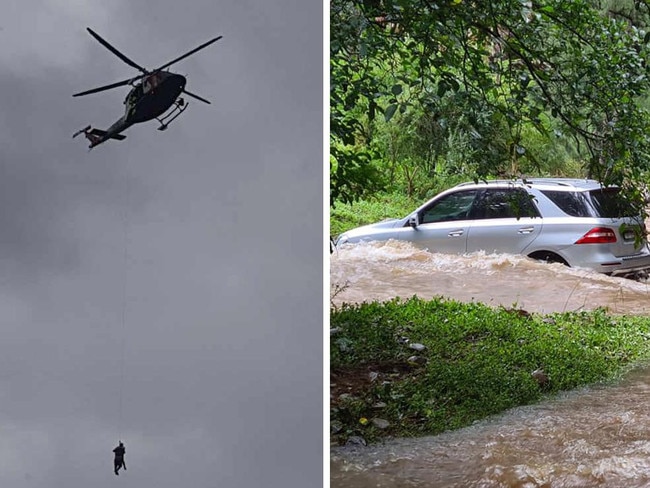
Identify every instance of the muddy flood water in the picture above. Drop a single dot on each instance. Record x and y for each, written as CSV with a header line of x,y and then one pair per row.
x,y
599,436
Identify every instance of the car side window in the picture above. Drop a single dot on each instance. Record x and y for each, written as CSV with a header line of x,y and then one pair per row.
x,y
570,202
455,206
504,203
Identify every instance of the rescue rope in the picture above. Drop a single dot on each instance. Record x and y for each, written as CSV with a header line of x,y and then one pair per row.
x,y
125,265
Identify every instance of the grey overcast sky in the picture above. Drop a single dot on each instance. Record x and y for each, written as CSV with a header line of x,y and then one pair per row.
x,y
166,289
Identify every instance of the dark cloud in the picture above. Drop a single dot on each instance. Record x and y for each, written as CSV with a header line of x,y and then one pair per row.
x,y
40,187
177,274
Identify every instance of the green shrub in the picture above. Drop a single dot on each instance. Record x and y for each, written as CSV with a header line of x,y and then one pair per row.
x,y
477,361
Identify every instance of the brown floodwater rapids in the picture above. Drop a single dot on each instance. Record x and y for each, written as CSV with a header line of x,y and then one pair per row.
x,y
384,270
597,436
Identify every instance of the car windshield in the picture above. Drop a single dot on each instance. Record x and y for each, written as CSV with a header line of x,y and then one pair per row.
x,y
602,203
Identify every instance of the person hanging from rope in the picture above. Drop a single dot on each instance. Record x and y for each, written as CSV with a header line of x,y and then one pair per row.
x,y
119,458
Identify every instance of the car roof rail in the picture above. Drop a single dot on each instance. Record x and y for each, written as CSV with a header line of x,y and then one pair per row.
x,y
490,182
563,182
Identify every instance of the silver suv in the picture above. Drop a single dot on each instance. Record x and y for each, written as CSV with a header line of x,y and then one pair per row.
x,y
575,222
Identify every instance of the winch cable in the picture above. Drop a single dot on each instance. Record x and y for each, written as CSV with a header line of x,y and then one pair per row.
x,y
124,298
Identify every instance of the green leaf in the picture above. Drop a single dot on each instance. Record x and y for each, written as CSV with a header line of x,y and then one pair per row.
x,y
396,89
442,88
363,50
390,111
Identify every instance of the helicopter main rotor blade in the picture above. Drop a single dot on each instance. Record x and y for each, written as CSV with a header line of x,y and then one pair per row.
x,y
196,96
115,51
106,87
189,53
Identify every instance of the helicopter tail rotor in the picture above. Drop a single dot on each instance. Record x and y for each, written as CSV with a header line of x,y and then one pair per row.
x,y
89,133
85,130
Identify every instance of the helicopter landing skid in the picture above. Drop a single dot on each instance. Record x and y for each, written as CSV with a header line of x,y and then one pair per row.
x,y
179,107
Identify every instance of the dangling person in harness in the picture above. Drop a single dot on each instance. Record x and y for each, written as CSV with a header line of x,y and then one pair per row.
x,y
119,458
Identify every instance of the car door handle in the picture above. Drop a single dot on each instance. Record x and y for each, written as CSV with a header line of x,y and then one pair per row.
x,y
456,233
526,230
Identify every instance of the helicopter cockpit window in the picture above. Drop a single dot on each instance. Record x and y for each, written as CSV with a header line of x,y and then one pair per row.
x,y
133,95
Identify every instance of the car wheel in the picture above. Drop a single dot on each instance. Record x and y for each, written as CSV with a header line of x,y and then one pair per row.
x,y
548,257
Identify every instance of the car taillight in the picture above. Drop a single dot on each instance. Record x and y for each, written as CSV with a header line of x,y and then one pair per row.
x,y
598,235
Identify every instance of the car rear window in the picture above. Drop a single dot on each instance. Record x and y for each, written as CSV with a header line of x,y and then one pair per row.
x,y
608,203
570,202
602,203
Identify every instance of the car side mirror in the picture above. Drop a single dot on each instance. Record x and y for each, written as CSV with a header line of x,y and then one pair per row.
x,y
414,221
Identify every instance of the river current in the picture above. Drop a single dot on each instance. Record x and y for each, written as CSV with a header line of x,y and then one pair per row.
x,y
599,436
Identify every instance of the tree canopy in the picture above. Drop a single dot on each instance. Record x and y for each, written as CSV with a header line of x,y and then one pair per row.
x,y
491,73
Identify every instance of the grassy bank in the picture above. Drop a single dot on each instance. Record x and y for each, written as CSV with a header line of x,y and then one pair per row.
x,y
416,367
391,205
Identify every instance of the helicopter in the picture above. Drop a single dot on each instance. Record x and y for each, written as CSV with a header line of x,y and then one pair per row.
x,y
153,93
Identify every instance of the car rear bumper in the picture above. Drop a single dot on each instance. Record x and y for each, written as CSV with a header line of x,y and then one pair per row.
x,y
633,264
604,261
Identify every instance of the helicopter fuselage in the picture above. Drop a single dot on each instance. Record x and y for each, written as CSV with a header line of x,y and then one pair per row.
x,y
153,97
147,100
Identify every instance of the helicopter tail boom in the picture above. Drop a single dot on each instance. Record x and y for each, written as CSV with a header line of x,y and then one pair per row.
x,y
97,136
103,133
